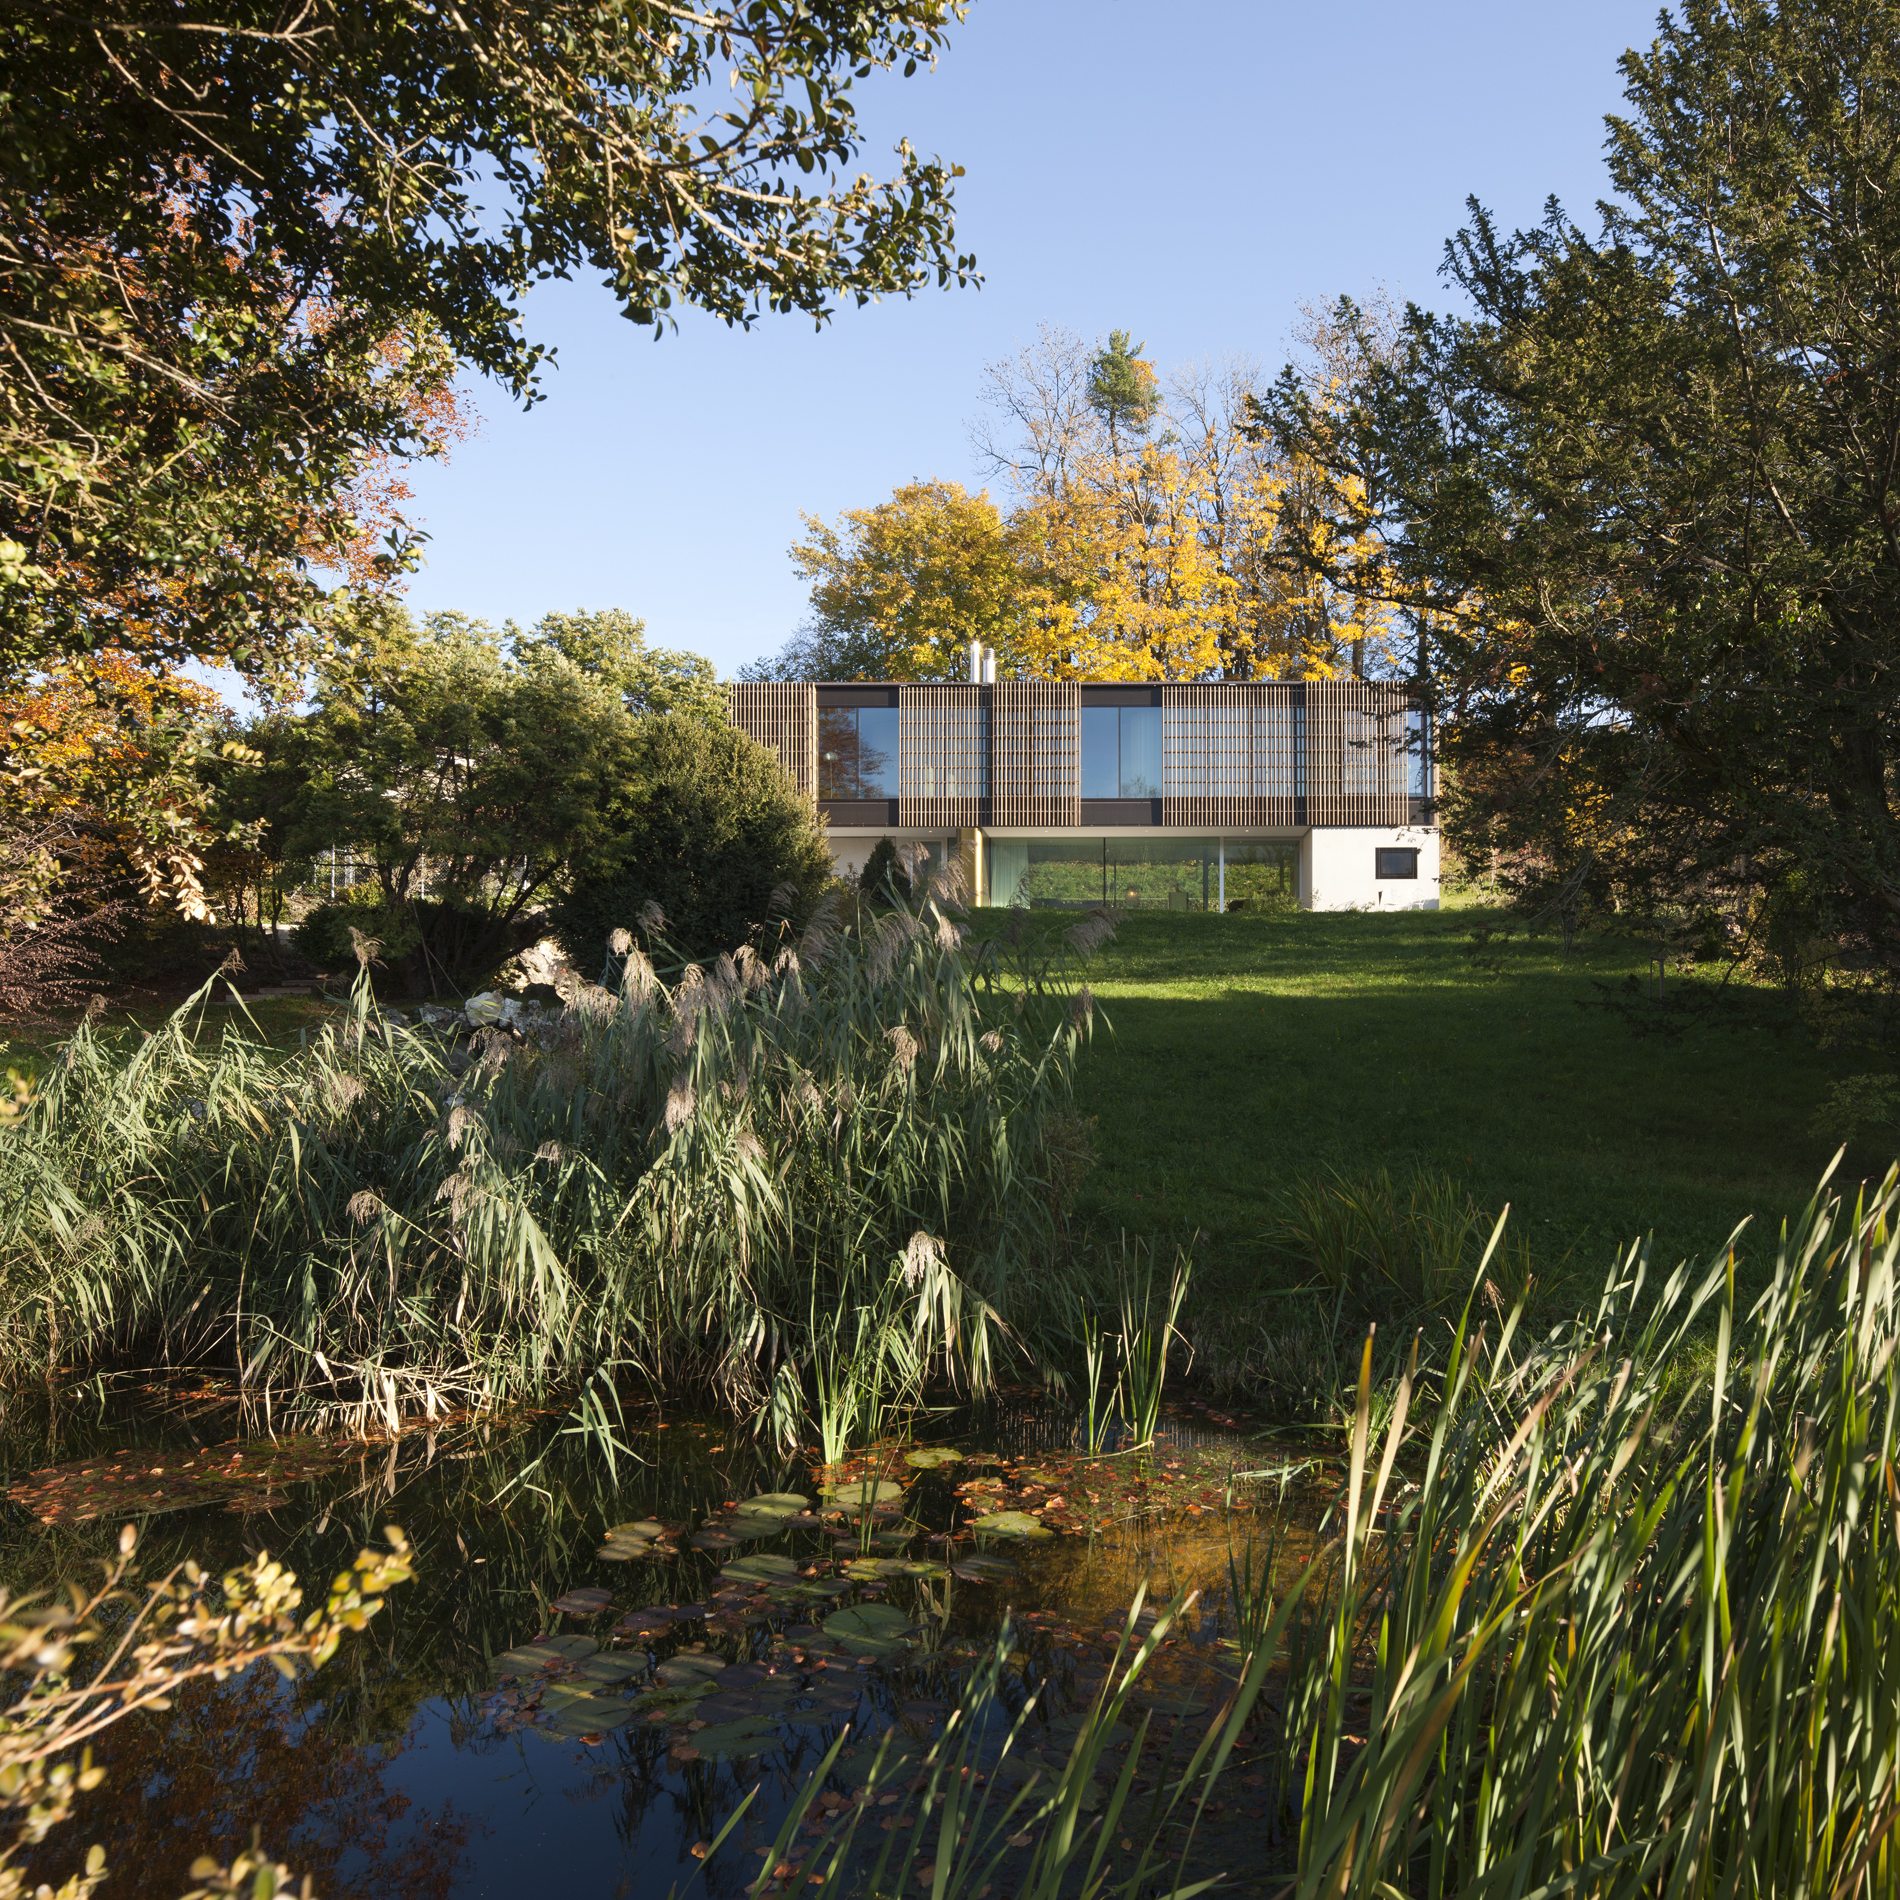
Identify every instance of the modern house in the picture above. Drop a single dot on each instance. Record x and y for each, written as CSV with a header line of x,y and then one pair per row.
x,y
1184,797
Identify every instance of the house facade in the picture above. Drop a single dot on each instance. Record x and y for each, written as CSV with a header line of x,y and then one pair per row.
x,y
1215,796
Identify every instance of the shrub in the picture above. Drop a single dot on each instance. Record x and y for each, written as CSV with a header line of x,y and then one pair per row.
x,y
709,829
884,874
323,933
1392,1247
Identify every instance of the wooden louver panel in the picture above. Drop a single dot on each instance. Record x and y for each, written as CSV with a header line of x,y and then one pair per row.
x,y
940,755
782,715
1033,766
1232,754
1358,771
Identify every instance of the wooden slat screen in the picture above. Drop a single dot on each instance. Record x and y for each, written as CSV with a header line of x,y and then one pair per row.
x,y
782,715
941,767
1357,769
1232,754
1033,764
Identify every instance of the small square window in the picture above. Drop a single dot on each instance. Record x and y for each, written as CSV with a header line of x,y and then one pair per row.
x,y
1392,862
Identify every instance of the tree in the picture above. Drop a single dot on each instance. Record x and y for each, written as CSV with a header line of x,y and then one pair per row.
x,y
612,646
1123,391
1125,553
235,240
706,827
1643,500
472,770
899,590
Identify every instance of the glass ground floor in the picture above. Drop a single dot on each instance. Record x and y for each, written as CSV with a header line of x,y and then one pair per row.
x,y
1071,872
1170,873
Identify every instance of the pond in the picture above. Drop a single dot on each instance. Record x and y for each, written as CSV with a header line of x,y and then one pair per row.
x,y
600,1660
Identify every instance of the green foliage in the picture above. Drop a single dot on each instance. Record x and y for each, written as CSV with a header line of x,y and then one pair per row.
x,y
471,770
611,646
679,1180
1641,502
1559,1609
1391,1247
884,875
1122,388
1858,1102
238,242
704,825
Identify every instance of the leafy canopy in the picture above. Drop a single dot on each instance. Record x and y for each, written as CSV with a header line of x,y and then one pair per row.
x,y
243,248
1642,503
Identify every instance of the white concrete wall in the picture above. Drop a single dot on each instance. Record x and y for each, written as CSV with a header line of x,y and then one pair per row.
x,y
850,855
1337,865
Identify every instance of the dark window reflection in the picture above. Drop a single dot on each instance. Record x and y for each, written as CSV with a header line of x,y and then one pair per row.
x,y
857,751
877,751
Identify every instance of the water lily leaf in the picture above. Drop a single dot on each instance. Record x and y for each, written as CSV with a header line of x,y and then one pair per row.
x,y
719,1537
775,1503
747,1737
874,1629
863,1493
678,1671
765,1568
1012,1524
612,1668
983,1569
625,1542
869,1569
572,1647
930,1457
527,1660
585,1602
585,1714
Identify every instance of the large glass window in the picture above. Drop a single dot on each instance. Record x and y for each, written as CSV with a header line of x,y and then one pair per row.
x,y
1101,741
857,752
1121,752
1141,752
1143,873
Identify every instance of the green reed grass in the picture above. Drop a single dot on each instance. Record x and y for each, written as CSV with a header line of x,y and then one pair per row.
x,y
1579,1628
675,1184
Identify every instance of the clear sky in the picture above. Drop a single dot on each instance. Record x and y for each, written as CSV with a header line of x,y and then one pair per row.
x,y
1189,170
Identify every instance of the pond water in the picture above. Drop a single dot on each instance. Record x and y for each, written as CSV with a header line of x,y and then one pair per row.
x,y
595,1664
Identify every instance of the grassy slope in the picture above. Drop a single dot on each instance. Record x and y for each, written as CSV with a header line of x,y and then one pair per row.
x,y
1245,1050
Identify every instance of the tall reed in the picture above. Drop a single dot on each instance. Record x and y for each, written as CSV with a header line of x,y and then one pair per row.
x,y
1568,1636
676,1183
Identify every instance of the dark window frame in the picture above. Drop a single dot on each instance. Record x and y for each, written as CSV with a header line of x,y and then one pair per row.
x,y
1383,854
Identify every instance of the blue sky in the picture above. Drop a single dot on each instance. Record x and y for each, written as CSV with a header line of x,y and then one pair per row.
x,y
1190,170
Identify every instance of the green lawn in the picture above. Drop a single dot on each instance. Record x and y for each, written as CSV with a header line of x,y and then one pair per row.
x,y
1240,1052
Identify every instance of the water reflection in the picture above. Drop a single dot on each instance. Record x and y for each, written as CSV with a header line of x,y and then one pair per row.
x,y
418,1763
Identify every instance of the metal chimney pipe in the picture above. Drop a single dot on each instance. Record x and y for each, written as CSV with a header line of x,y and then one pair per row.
x,y
976,662
989,666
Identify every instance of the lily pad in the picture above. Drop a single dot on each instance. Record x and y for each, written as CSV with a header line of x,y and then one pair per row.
x,y
745,1737
586,1714
863,1493
873,1569
981,1569
774,1504
612,1668
1012,1524
871,1629
765,1568
625,1542
527,1660
585,1602
719,1537
680,1671
930,1457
